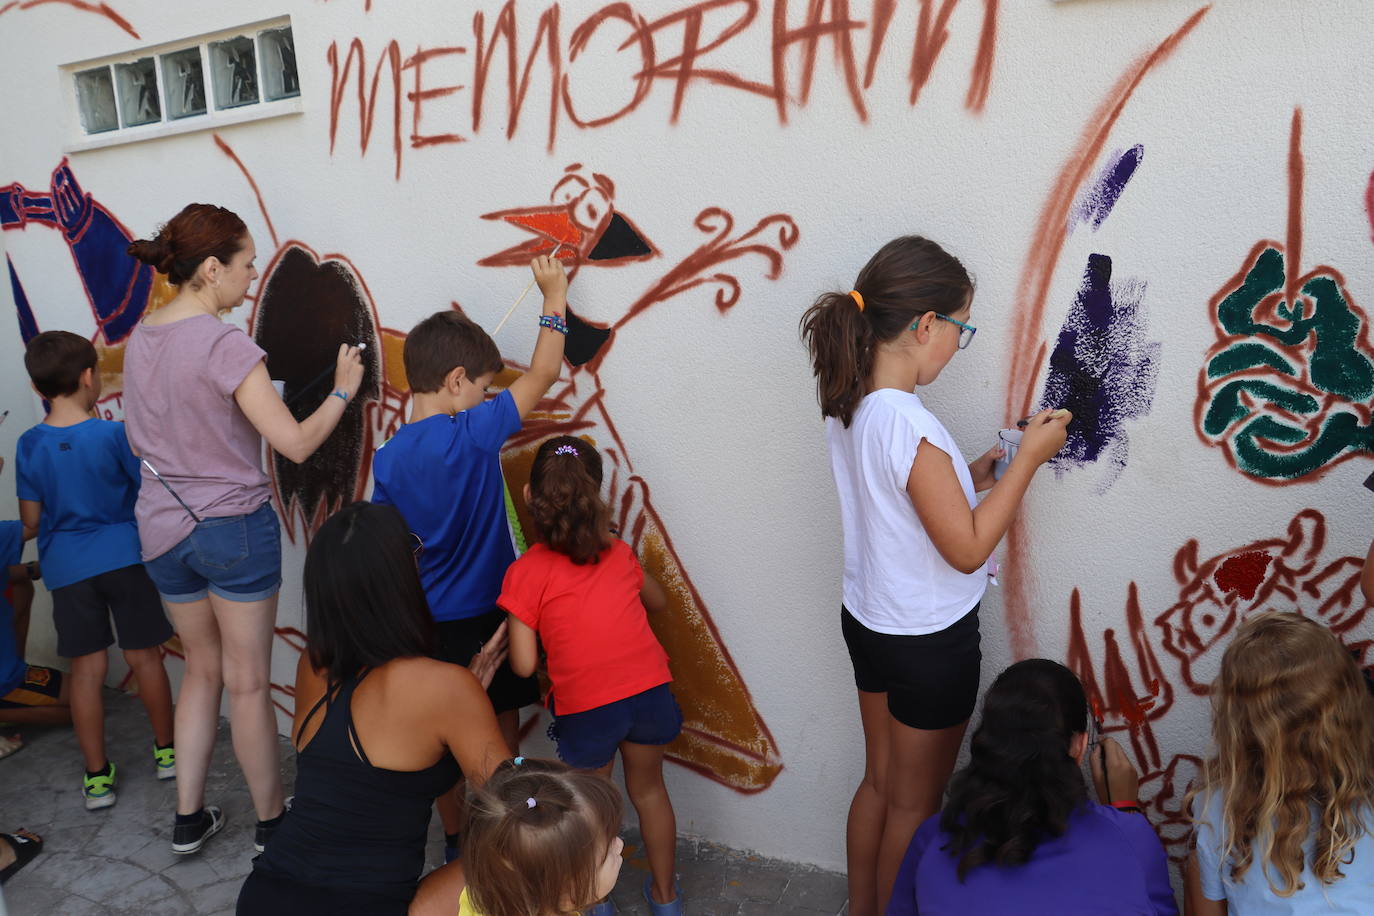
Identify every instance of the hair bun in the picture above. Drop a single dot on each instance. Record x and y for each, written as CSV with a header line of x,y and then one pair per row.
x,y
156,251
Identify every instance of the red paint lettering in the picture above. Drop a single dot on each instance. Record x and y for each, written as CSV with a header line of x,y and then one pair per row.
x,y
419,94
546,34
367,103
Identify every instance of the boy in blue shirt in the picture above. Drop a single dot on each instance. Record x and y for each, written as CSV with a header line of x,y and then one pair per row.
x,y
78,481
442,470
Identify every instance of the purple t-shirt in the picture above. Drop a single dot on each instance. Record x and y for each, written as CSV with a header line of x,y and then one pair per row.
x,y
1107,861
181,416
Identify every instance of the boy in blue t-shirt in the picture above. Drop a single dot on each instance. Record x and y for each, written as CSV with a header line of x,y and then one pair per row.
x,y
442,470
78,481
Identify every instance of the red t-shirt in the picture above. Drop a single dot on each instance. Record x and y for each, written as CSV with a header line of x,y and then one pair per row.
x,y
591,622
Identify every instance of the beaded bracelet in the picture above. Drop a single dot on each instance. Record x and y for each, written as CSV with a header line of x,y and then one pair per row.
x,y
554,323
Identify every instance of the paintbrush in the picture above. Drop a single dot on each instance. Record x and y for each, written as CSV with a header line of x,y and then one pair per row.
x,y
4,416
529,286
1025,421
317,379
160,480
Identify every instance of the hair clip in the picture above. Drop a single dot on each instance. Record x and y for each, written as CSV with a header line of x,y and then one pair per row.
x,y
565,450
530,802
518,760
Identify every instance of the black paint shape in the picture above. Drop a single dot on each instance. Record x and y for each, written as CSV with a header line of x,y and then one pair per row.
x,y
620,240
1369,482
584,340
307,309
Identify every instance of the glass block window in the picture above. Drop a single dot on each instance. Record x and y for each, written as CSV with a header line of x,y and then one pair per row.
x,y
138,95
183,79
234,72
95,98
236,75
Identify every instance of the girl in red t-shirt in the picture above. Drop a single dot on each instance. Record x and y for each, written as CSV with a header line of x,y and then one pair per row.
x,y
581,592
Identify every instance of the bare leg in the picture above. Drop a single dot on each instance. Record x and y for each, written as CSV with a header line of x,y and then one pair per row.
x,y
23,604
197,708
918,769
868,810
88,706
246,645
154,690
657,823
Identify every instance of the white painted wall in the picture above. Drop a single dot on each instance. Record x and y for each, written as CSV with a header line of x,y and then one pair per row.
x,y
718,410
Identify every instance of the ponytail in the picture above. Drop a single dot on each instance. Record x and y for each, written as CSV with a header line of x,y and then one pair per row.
x,y
565,499
906,278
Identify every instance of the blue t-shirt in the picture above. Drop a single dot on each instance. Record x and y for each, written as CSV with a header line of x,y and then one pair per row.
x,y
87,479
1353,894
444,475
12,666
1107,861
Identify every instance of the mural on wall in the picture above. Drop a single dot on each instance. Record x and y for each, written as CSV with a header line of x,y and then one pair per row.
x,y
676,46
1286,390
118,288
1028,350
98,9
1131,691
724,736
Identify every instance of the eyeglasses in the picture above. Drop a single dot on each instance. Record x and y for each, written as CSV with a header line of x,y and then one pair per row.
x,y
966,331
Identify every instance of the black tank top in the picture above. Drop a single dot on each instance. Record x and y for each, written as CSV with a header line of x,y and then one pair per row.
x,y
353,825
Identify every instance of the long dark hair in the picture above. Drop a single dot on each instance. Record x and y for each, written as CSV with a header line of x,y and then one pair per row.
x,y
364,604
565,499
908,277
1020,785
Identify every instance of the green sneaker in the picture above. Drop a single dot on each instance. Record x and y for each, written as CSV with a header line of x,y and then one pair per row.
x,y
99,790
166,760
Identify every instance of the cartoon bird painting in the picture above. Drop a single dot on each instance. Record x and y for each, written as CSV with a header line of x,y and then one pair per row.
x,y
724,735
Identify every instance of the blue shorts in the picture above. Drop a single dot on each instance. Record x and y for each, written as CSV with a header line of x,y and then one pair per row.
x,y
238,557
588,740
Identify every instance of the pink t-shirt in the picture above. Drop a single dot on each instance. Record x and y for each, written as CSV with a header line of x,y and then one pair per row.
x,y
180,414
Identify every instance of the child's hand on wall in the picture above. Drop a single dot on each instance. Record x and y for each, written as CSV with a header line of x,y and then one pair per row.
x,y
553,283
1120,782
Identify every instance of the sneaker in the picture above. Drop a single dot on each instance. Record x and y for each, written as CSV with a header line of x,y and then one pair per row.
x,y
166,760
265,829
99,790
188,838
671,908
604,908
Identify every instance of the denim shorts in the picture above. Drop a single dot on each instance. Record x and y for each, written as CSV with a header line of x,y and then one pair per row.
x,y
238,557
588,740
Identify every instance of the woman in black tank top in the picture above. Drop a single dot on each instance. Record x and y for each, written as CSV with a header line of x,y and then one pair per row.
x,y
381,729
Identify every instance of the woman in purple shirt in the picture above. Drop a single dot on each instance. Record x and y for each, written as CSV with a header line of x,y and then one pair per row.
x,y
1019,834
198,402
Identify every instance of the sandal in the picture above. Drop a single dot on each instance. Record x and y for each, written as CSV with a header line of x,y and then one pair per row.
x,y
10,744
25,845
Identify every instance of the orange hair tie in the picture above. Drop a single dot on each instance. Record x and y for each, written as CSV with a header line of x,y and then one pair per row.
x,y
858,299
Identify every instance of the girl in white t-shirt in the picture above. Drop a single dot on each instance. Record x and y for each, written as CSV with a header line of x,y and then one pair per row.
x,y
916,541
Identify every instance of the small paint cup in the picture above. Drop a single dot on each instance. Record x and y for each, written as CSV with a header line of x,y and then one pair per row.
x,y
280,385
1008,440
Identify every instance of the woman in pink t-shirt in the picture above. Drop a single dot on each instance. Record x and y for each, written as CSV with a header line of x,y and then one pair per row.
x,y
581,592
198,403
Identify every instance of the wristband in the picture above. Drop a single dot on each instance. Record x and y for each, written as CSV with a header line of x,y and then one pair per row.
x,y
32,568
1126,805
554,323
340,394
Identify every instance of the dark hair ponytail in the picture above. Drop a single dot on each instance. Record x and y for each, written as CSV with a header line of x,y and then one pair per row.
x,y
906,278
1020,785
565,499
198,232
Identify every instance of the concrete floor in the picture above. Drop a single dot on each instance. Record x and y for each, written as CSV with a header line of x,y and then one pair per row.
x,y
119,861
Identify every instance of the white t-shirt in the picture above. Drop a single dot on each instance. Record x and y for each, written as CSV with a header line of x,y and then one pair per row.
x,y
895,581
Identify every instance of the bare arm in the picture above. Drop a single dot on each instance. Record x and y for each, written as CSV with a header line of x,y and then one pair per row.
x,y
523,646
468,726
269,415
548,349
30,511
653,595
1195,903
966,537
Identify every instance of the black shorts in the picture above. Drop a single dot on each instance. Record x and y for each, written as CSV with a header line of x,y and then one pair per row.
x,y
81,613
931,681
459,640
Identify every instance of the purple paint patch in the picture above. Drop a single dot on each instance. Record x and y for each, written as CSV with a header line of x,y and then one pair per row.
x,y
1103,369
1097,199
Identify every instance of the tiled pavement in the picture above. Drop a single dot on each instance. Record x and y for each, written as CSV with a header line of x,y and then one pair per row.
x,y
119,861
